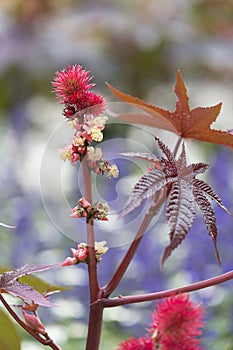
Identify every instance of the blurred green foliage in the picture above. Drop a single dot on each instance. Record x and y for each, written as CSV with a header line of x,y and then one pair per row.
x,y
9,337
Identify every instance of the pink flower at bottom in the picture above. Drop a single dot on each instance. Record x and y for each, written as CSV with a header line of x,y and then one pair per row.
x,y
177,323
180,344
142,343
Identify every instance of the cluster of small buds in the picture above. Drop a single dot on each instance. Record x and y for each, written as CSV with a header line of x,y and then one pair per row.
x,y
94,154
93,127
81,255
74,152
100,211
89,130
99,165
83,110
85,209
82,209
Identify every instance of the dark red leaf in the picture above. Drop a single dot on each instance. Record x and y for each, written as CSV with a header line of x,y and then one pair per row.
x,y
209,217
208,191
146,187
183,192
180,214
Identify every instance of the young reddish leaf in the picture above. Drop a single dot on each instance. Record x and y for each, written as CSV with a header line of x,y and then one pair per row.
x,y
182,105
9,283
195,123
155,117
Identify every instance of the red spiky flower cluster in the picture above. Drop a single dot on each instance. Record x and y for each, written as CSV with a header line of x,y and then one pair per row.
x,y
72,86
142,343
176,324
83,109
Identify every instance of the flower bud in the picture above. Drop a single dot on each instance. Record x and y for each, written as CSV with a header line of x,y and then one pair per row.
x,y
84,203
34,322
68,111
82,254
69,261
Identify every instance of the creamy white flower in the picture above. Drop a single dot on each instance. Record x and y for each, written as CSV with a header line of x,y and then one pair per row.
x,y
96,134
100,249
113,172
100,121
94,154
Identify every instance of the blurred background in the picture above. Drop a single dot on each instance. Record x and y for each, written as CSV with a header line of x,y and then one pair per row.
x,y
137,46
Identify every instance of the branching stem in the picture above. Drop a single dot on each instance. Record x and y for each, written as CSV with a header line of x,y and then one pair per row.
x,y
167,293
120,271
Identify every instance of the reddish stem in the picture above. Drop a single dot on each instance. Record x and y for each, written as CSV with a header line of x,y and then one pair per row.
x,y
167,293
94,326
96,311
120,271
92,271
47,342
177,145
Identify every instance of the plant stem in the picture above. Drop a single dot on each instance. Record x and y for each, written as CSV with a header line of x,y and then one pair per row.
x,y
96,311
92,268
94,326
167,293
92,271
47,342
120,271
116,278
177,145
